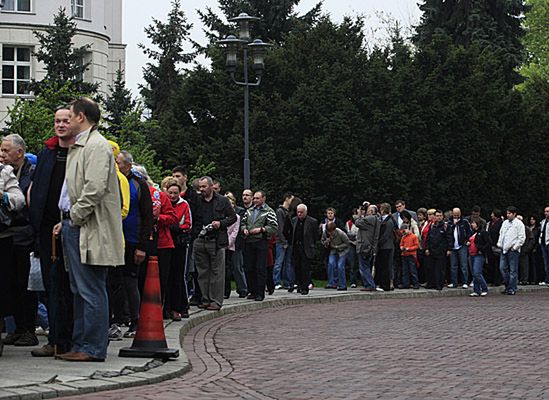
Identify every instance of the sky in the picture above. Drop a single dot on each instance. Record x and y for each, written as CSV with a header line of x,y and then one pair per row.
x,y
139,13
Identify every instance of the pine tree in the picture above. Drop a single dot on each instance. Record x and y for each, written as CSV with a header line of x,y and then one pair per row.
x,y
491,24
62,61
118,104
162,75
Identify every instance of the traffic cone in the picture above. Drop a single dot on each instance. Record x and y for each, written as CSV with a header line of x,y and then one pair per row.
x,y
150,340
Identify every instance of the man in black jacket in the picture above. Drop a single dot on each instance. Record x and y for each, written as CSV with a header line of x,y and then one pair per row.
x,y
211,217
438,249
460,231
303,234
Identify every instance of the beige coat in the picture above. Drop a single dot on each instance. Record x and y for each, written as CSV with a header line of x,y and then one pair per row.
x,y
94,193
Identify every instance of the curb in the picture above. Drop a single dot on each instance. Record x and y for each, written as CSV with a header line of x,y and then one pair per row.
x,y
176,368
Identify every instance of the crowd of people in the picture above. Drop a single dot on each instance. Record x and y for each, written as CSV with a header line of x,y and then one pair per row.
x,y
94,217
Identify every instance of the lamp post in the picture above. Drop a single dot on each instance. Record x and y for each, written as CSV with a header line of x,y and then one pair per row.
x,y
257,48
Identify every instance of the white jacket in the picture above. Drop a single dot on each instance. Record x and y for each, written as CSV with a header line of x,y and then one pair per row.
x,y
511,235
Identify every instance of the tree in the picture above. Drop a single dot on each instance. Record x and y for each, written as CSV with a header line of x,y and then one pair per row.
x,y
118,104
491,24
535,41
62,61
33,118
162,75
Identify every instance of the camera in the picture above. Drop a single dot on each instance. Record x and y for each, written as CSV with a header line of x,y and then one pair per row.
x,y
205,229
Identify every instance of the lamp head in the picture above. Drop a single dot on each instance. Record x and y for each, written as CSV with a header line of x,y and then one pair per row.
x,y
244,20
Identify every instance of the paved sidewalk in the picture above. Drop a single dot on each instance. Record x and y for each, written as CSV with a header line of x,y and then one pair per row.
x,y
26,377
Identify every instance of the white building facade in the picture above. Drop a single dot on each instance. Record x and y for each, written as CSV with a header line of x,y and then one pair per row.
x,y
99,25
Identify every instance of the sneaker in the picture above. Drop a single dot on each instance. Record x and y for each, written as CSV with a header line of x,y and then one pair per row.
x,y
11,338
474,294
45,351
41,331
542,284
484,294
27,339
464,286
471,284
451,286
378,289
311,286
115,333
353,285
130,333
278,287
175,316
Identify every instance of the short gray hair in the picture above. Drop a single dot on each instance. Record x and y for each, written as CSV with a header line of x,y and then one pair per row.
x,y
128,158
16,140
207,179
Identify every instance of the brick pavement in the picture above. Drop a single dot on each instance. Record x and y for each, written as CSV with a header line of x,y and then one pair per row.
x,y
432,348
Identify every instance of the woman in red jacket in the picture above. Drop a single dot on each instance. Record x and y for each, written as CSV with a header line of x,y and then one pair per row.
x,y
177,300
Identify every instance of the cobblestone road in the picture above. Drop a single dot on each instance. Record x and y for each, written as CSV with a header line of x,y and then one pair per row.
x,y
441,348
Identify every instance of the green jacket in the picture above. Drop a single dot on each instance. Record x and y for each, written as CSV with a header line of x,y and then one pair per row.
x,y
265,219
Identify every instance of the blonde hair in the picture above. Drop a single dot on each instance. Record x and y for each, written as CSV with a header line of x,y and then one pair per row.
x,y
168,182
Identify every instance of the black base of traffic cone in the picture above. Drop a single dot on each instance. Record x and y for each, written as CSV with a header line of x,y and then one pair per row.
x,y
164,354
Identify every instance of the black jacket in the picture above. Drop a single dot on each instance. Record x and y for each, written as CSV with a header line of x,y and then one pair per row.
x,y
437,240
483,242
463,228
310,235
222,211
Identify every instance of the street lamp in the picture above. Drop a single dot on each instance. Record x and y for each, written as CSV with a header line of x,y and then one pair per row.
x,y
232,45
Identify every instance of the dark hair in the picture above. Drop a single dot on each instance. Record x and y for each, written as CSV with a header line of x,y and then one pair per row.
x,y
477,220
181,169
422,211
497,212
439,211
512,209
293,205
400,202
406,214
88,107
63,107
475,209
287,195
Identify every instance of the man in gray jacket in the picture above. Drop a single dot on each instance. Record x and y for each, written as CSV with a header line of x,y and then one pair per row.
x,y
366,244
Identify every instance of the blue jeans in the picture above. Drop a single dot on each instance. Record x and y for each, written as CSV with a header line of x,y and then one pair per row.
x,y
545,254
409,269
365,267
479,284
508,266
459,256
91,305
337,265
283,264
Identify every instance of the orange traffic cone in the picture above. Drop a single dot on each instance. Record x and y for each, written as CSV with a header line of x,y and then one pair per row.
x,y
150,340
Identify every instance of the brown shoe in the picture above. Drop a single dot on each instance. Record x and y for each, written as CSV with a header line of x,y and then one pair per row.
x,y
175,316
213,307
45,351
79,356
204,305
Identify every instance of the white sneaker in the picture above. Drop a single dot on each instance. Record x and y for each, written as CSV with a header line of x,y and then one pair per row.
x,y
464,286
451,285
378,289
278,287
474,294
311,286
543,284
484,294
471,284
353,285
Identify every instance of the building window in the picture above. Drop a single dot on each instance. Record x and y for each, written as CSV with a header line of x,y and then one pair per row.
x,y
17,5
16,70
77,7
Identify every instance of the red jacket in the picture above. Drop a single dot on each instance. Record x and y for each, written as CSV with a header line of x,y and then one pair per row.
x,y
411,243
164,215
183,213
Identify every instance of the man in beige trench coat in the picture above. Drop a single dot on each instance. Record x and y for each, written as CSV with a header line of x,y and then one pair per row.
x,y
91,230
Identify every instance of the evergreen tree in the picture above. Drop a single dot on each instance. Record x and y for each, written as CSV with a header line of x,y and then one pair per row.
x,y
162,75
62,61
491,24
118,104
